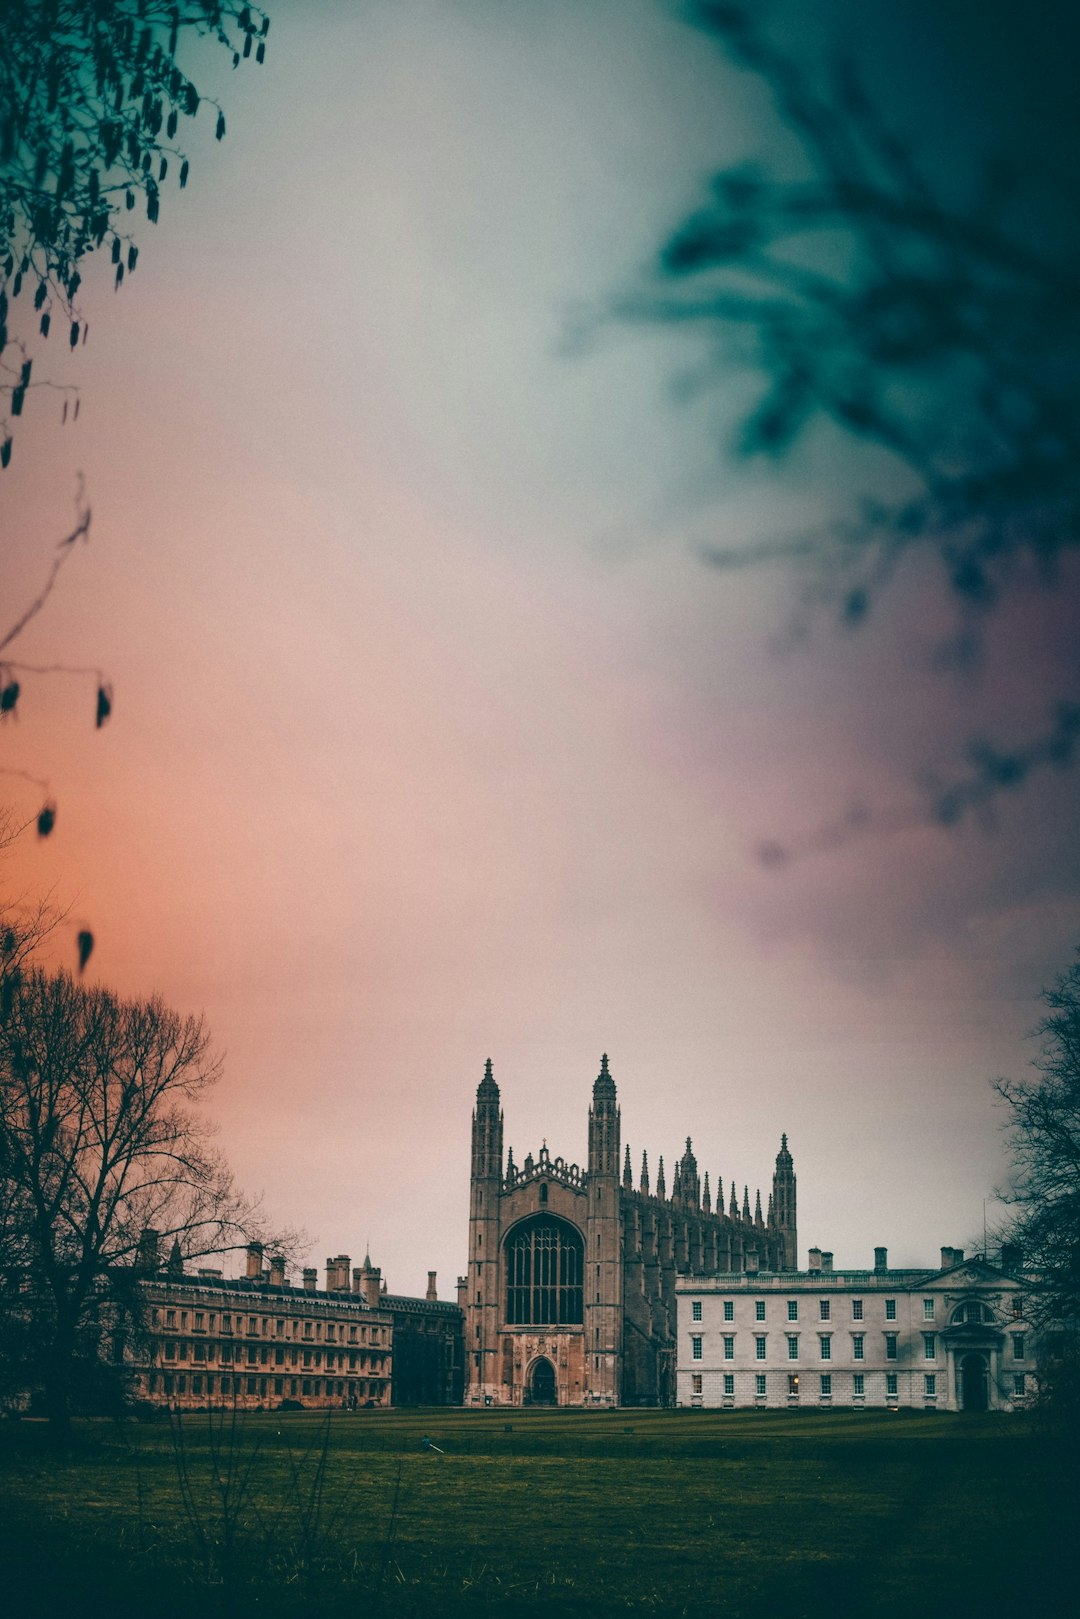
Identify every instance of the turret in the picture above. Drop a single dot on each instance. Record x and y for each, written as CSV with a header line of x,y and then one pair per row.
x,y
603,1245
604,1125
487,1129
784,1209
689,1184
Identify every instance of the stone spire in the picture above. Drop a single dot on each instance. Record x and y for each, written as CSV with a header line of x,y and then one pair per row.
x,y
733,1210
627,1172
783,1198
487,1129
746,1204
689,1184
645,1173
758,1221
661,1189
706,1196
604,1125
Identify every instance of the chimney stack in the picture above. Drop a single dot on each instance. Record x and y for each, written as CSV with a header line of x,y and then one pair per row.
x,y
254,1261
277,1270
149,1256
462,1292
813,1259
311,1277
826,1260
881,1259
431,1291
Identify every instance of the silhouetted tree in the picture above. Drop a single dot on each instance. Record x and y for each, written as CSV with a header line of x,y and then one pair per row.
x,y
1044,1190
862,297
100,1141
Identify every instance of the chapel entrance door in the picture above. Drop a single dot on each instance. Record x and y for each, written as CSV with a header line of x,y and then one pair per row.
x,y
542,1388
974,1394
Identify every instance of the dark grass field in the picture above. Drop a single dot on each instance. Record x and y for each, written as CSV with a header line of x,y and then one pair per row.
x,y
665,1513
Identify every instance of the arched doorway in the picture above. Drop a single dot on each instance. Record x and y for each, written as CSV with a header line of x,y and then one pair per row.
x,y
974,1393
542,1388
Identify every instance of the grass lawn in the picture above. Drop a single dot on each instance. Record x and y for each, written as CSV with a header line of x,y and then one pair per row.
x,y
692,1513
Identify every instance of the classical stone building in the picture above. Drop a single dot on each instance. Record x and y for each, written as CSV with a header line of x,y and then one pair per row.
x,y
958,1337
569,1293
256,1341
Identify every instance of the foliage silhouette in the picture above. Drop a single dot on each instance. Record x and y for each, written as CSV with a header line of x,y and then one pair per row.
x,y
92,95
860,297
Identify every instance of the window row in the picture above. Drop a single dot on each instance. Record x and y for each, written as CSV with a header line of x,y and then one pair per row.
x,y
269,1326
858,1346
824,1387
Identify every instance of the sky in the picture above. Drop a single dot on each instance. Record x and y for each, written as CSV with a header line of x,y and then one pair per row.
x,y
434,738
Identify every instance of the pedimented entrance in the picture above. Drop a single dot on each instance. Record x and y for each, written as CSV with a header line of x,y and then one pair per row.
x,y
974,1383
542,1388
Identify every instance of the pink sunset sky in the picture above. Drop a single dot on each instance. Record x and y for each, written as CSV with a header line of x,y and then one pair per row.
x,y
434,739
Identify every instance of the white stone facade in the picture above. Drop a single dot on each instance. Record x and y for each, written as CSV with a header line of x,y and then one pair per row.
x,y
955,1338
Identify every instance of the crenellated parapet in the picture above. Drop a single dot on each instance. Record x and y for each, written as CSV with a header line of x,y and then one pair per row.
x,y
544,1165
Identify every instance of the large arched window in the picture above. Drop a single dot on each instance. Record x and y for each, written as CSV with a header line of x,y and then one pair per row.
x,y
544,1267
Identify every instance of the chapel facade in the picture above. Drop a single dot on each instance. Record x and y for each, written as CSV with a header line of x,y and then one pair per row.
x,y
569,1293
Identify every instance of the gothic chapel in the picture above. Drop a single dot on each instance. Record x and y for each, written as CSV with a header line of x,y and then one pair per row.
x,y
570,1288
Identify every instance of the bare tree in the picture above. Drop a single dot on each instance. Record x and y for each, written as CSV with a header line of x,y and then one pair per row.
x,y
100,1141
1044,1132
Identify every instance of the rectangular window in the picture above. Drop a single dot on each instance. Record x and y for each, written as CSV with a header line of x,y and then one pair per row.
x,y
890,1309
170,1350
793,1346
891,1385
793,1384
170,1318
759,1348
856,1309
857,1341
729,1383
826,1346
226,1323
759,1309
826,1385
695,1382
930,1385
793,1309
928,1309
824,1309
253,1326
695,1347
759,1383
929,1346
695,1308
858,1385
1019,1383
729,1348
1018,1345
890,1346
1017,1308
200,1321
729,1309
